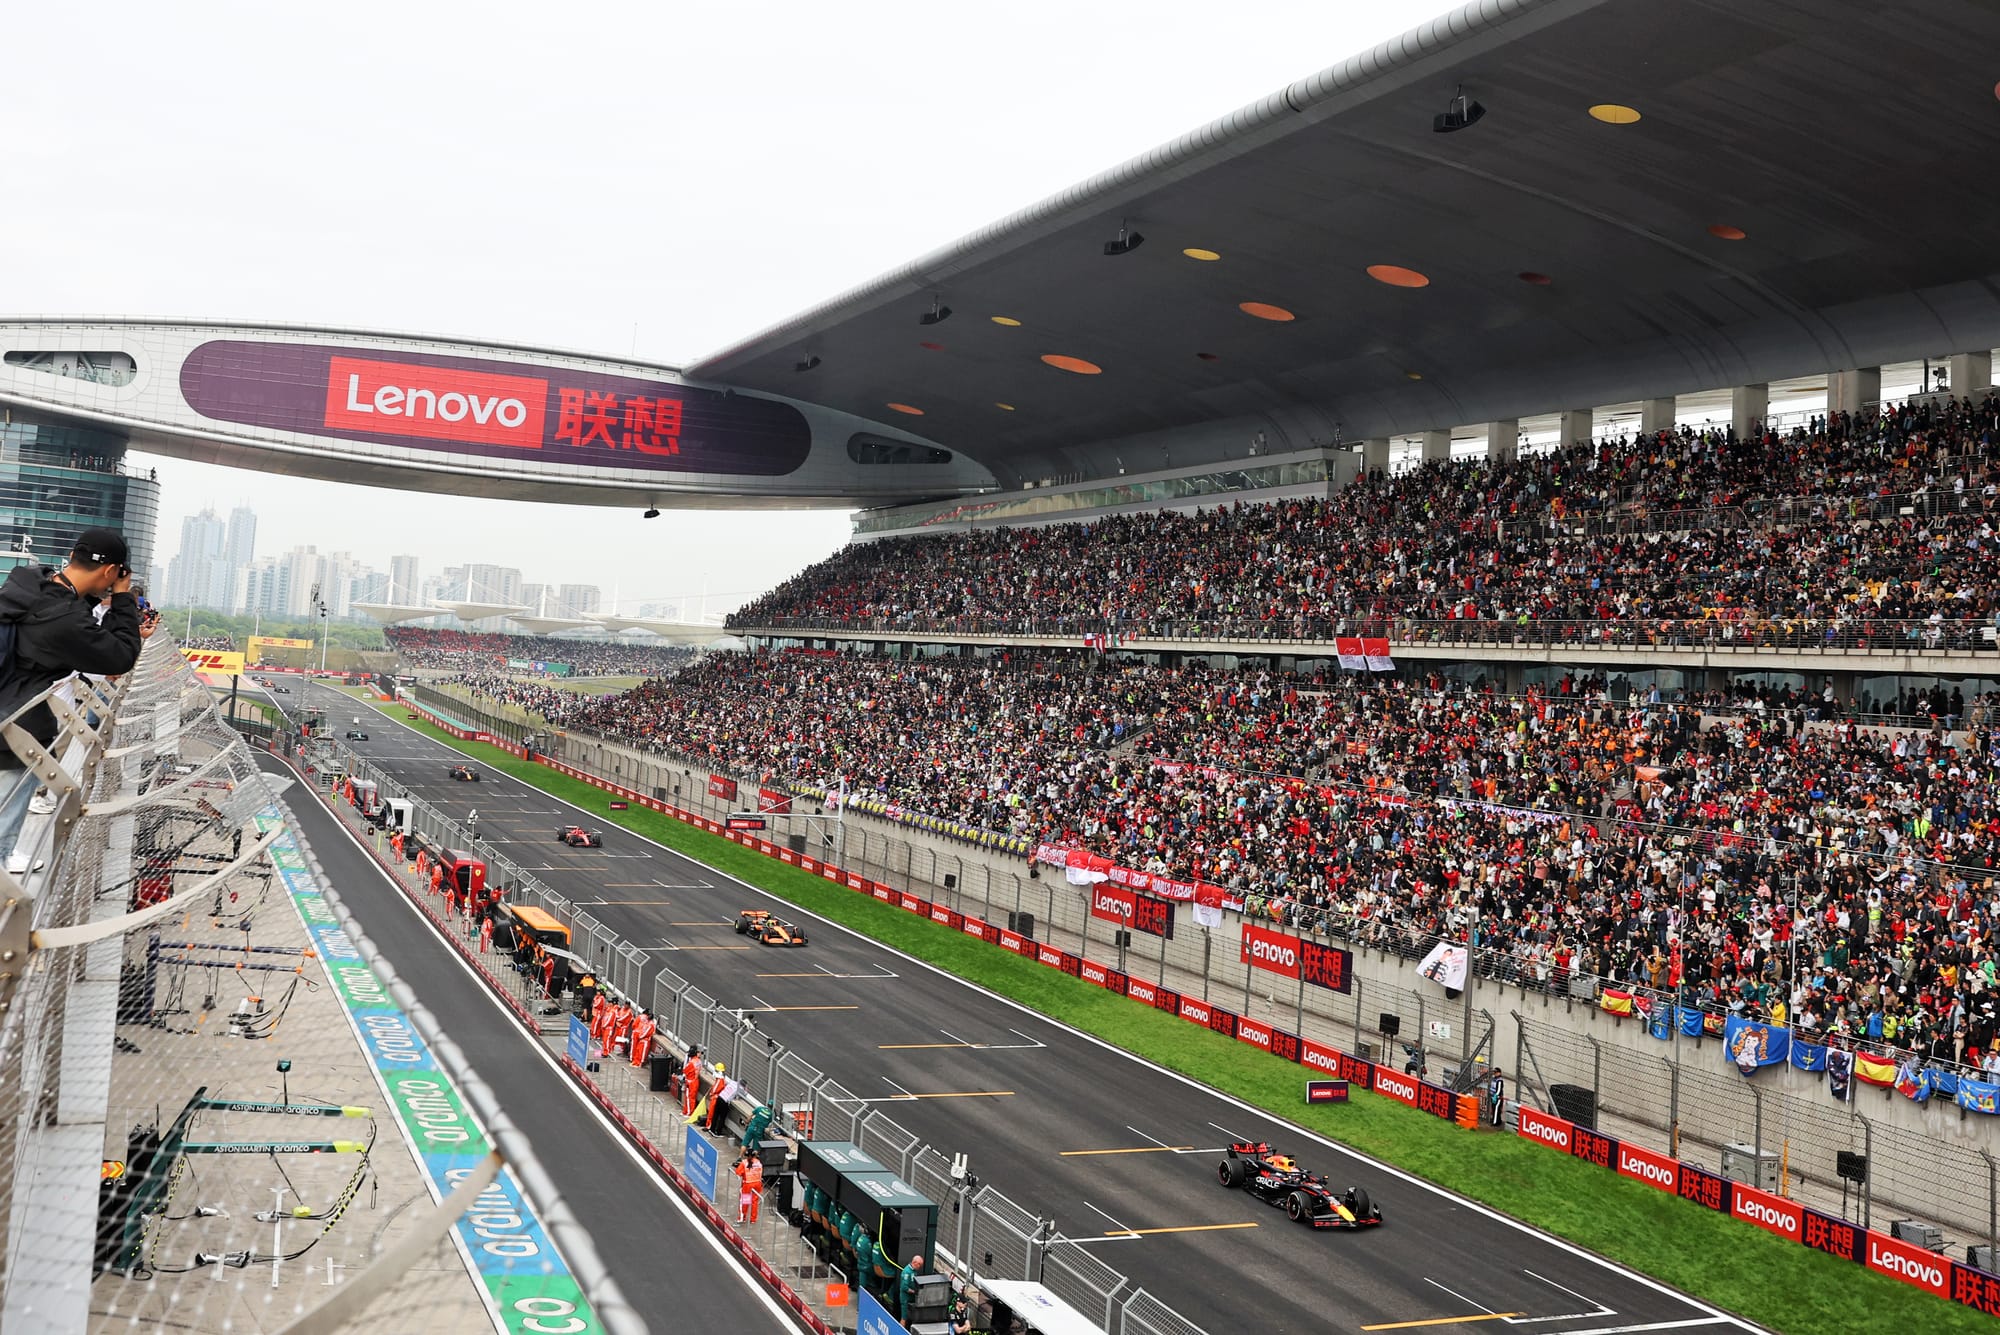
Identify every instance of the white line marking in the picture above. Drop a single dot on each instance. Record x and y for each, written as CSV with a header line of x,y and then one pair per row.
x,y
1715,1317
1664,1325
631,1151
1598,1308
1461,1297
1116,1223
1234,1138
1143,1136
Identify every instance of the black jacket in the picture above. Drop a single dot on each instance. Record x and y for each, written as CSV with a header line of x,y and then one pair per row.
x,y
56,634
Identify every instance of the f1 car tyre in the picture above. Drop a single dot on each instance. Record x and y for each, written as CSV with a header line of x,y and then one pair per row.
x,y
1232,1172
1363,1207
1300,1207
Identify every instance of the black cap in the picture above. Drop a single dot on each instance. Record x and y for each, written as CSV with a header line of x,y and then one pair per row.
x,y
102,546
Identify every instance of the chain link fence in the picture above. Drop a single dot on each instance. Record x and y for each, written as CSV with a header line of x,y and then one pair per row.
x,y
222,1109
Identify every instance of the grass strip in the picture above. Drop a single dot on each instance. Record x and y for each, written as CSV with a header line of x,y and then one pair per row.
x,y
1710,1256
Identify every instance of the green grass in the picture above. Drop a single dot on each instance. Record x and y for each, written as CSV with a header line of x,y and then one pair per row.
x,y
1730,1264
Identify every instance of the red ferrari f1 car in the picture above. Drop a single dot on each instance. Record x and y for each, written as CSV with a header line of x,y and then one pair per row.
x,y
578,837
1277,1179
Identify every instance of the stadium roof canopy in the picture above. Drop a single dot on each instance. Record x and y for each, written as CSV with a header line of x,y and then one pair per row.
x,y
674,632
550,625
390,614
477,611
1660,198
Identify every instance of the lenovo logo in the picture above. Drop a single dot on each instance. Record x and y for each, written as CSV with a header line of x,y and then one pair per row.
x,y
1139,991
1253,1034
1905,1262
1539,1126
1270,952
1314,1055
1779,1219
1395,1086
1114,904
1196,1011
1093,973
437,403
1646,1169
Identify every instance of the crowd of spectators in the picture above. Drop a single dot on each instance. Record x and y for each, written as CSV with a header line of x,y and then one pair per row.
x,y
219,643
1764,853
475,651
1881,528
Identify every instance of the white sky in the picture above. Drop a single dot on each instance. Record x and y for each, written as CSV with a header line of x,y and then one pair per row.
x,y
649,178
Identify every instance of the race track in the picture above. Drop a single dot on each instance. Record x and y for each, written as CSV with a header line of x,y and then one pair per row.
x,y
1119,1153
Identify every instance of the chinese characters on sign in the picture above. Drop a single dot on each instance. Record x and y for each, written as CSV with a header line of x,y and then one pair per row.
x,y
618,421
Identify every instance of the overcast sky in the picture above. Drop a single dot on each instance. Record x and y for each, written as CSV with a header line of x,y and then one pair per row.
x,y
657,180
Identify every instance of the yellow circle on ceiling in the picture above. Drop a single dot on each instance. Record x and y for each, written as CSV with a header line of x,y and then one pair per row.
x,y
1395,275
1007,320
906,408
1613,113
1263,310
1004,407
1726,232
1197,253
1075,365
1413,375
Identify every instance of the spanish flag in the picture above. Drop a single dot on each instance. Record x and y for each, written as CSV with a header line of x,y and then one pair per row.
x,y
1874,1070
1620,1003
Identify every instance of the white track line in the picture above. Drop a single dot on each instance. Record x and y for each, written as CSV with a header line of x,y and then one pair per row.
x,y
1715,1315
647,1171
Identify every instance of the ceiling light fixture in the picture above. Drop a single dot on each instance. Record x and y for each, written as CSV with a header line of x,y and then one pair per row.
x,y
1126,242
1459,113
937,314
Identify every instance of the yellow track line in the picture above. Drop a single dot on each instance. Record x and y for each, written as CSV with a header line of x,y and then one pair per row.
x,y
1183,1228
1443,1321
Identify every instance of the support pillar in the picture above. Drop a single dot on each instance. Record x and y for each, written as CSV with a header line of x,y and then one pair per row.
x,y
1375,455
1437,445
1971,374
1503,439
1748,405
1656,415
1852,391
1578,424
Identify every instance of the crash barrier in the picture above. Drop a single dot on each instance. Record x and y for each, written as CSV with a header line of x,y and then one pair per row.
x,y
1923,1141
1897,1257
1789,1126
992,1237
193,1031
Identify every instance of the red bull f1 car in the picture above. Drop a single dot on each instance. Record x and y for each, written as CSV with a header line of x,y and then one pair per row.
x,y
1277,1179
465,774
769,928
578,837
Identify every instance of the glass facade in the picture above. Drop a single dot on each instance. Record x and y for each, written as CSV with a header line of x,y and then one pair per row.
x,y
1046,504
56,481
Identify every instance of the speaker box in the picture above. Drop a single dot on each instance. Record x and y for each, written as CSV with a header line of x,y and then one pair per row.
x,y
951,880
1389,1024
1850,1167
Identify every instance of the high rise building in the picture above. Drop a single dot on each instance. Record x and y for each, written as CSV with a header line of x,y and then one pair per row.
x,y
539,599
405,585
199,576
56,481
575,600
239,547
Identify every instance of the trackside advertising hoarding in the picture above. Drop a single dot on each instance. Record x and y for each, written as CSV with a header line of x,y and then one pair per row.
x,y
1930,1271
1130,908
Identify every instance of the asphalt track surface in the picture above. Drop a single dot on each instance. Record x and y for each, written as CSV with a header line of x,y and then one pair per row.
x,y
1120,1153
669,1264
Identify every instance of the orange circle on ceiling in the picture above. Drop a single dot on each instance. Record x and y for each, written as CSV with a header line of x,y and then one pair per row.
x,y
1395,275
1413,375
906,408
1076,365
1199,253
1538,279
1726,232
1007,320
1613,113
1265,311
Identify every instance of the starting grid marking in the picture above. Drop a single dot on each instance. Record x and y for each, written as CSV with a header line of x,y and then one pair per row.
x,y
1597,1311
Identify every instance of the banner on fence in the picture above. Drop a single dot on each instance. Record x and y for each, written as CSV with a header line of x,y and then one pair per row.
x,y
1754,1043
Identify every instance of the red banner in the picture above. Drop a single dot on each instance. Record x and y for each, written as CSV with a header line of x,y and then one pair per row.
x,y
1773,1214
1909,1263
1274,952
1655,1170
721,788
1402,1088
774,803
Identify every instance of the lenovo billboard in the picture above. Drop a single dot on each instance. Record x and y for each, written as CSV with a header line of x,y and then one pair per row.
x,y
523,411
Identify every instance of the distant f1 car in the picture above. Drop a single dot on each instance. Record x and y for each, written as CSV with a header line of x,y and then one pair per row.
x,y
465,774
769,928
356,735
1277,1179
578,837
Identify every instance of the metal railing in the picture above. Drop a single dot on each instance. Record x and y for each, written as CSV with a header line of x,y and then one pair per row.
x,y
160,862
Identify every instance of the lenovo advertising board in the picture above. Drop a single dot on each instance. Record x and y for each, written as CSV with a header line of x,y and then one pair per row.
x,y
496,409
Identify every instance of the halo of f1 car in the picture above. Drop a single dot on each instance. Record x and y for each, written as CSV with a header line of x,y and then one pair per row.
x,y
578,837
769,928
1277,1179
465,774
